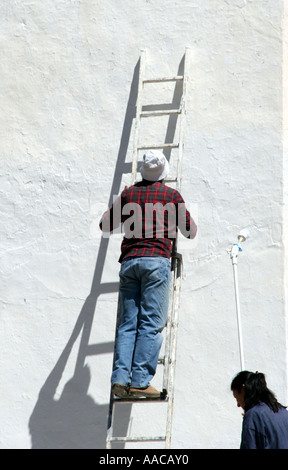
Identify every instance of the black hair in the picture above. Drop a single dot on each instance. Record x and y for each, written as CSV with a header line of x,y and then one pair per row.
x,y
255,390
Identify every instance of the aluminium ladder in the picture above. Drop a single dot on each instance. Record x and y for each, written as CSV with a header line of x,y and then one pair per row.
x,y
169,359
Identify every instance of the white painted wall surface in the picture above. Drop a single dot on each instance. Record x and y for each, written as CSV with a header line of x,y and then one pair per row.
x,y
68,71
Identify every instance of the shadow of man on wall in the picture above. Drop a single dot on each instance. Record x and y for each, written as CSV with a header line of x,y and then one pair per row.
x,y
75,420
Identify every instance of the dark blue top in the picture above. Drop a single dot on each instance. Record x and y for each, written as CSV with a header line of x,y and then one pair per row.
x,y
264,429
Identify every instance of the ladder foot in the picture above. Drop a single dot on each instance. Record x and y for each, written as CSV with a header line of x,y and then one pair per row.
x,y
163,394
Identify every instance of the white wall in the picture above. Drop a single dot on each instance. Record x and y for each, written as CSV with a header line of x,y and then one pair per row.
x,y
68,79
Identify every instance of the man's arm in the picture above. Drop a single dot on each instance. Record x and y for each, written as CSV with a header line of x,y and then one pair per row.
x,y
186,223
111,219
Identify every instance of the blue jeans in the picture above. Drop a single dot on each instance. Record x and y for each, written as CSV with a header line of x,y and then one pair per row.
x,y
144,297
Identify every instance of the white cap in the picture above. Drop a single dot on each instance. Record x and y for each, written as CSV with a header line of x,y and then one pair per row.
x,y
155,166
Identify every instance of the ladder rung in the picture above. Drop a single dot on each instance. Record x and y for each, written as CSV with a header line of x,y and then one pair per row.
x,y
140,399
137,439
164,79
160,112
171,180
158,146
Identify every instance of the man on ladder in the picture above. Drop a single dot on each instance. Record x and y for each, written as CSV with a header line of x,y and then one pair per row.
x,y
151,214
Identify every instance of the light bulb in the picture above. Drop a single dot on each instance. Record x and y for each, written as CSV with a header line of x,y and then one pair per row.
x,y
243,234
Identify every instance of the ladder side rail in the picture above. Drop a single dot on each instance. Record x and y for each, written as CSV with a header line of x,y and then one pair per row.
x,y
111,410
167,353
142,61
172,360
183,117
168,345
177,268
109,436
138,113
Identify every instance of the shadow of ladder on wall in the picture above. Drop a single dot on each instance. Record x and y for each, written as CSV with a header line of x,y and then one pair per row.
x,y
144,111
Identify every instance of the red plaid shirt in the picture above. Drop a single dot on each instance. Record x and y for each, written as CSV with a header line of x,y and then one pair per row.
x,y
151,214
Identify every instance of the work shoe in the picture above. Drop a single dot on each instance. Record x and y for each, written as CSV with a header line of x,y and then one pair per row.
x,y
121,391
148,392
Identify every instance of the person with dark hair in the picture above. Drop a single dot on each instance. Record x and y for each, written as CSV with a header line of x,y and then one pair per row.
x,y
265,422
